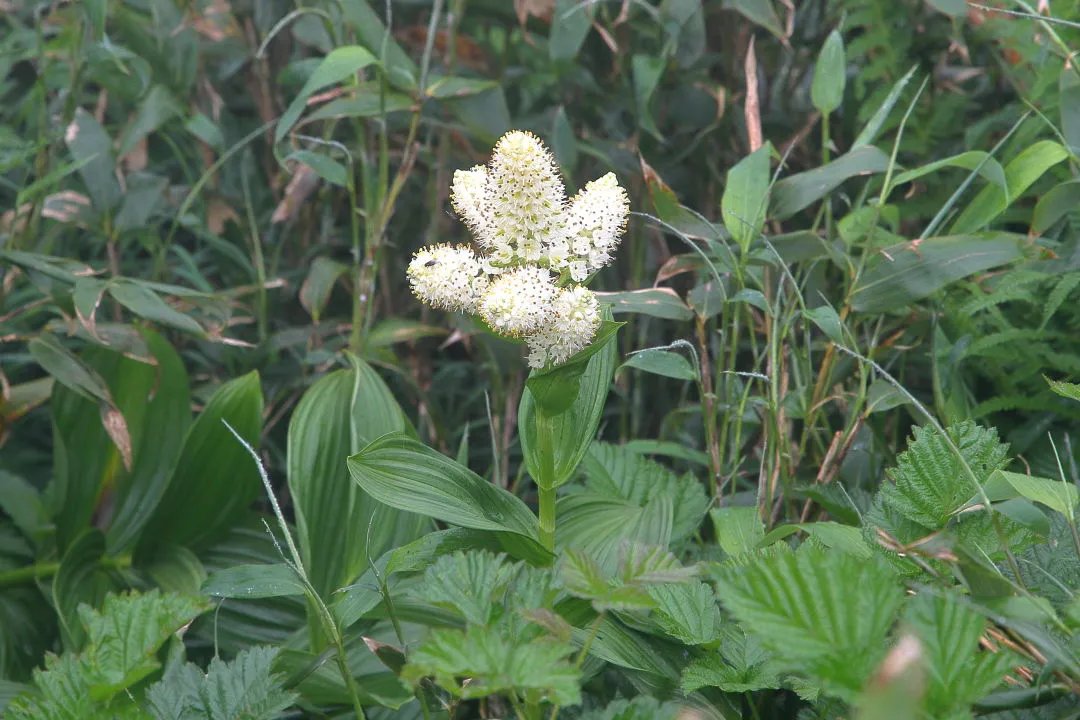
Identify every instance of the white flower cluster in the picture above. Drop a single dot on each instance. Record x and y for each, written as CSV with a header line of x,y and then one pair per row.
x,y
537,247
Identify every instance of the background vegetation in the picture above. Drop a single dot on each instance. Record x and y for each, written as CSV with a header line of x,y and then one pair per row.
x,y
857,224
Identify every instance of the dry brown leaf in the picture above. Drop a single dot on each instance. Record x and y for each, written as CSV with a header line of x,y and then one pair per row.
x,y
541,9
116,427
303,183
753,107
218,212
136,160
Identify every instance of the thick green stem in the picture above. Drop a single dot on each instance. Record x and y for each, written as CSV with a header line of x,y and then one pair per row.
x,y
30,573
545,442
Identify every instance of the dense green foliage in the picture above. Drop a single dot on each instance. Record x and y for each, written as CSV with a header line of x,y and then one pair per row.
x,y
819,462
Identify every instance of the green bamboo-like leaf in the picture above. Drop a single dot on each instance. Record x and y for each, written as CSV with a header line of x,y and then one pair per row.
x,y
902,274
340,64
800,191
746,197
80,579
827,89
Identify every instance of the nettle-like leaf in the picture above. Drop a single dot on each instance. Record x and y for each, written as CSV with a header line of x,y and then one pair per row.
x,y
241,689
617,471
483,661
740,664
123,640
638,567
465,583
1052,569
929,482
959,671
824,614
644,707
687,612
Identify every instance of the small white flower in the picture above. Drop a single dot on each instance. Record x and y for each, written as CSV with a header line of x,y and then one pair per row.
x,y
448,277
570,329
525,199
594,221
470,195
519,302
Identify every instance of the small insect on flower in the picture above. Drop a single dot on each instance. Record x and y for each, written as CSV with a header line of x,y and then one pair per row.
x,y
448,277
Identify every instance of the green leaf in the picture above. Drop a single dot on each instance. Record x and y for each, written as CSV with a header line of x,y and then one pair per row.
x,y
1024,170
740,664
738,529
746,197
655,302
176,569
91,147
564,143
687,612
974,160
647,71
320,280
157,435
465,584
570,23
245,687
1069,92
1055,204
214,480
22,502
960,672
146,303
824,615
1054,494
668,449
1065,389
929,482
156,109
484,114
649,564
661,362
575,429
830,75
953,8
584,578
407,475
324,166
443,87
79,579
335,519
761,12
827,321
69,370
494,664
338,65
800,191
643,707
555,389
400,70
873,127
254,581
899,275
125,636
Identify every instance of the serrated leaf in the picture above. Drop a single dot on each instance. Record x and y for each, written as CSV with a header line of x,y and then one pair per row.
x,y
1065,389
929,482
687,612
124,636
465,584
584,578
649,564
245,687
492,663
824,615
960,672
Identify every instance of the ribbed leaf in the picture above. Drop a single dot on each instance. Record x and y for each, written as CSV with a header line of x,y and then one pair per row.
x,y
215,480
335,518
687,612
929,482
824,615
959,671
243,688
